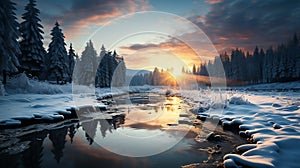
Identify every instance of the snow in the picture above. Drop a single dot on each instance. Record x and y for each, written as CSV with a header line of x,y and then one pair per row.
x,y
2,90
267,114
275,129
274,86
21,84
270,118
26,99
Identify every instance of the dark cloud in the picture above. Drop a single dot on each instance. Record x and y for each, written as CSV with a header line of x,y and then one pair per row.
x,y
243,23
83,14
140,46
75,15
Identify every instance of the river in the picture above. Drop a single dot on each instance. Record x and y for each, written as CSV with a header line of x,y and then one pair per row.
x,y
139,130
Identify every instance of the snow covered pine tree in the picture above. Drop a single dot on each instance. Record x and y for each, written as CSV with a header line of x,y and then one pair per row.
x,y
57,53
71,62
9,46
33,52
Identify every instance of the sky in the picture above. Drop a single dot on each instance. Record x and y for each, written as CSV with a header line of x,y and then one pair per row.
x,y
220,24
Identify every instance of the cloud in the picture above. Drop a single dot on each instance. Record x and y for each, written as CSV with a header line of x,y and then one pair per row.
x,y
139,46
83,14
174,47
213,1
249,23
79,17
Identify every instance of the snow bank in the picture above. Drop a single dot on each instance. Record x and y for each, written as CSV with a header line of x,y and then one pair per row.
x,y
279,151
273,124
22,84
270,119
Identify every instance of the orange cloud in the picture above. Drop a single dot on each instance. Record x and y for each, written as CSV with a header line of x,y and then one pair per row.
x,y
212,2
181,50
79,20
175,52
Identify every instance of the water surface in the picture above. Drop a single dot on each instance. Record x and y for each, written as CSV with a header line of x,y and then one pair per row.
x,y
149,126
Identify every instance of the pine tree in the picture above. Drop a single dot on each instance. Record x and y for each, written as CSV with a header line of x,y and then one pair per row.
x,y
77,70
111,70
203,70
103,51
71,62
194,69
156,77
256,65
9,47
101,69
297,57
87,64
267,65
58,69
32,48
118,70
182,70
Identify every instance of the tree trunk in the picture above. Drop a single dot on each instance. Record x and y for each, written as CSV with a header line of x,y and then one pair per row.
x,y
4,77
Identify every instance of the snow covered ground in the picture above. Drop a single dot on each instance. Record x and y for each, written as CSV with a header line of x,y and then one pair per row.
x,y
271,119
268,118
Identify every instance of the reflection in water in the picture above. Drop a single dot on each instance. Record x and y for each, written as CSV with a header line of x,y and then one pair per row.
x,y
72,131
151,127
72,143
33,156
154,110
90,126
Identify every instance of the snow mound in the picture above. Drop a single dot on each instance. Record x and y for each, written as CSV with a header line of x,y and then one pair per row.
x,y
238,100
270,119
275,131
22,84
276,152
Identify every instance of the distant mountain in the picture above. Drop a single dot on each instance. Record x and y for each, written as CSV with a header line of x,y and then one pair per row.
x,y
132,72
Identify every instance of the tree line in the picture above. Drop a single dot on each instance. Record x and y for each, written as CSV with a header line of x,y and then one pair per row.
x,y
22,47
279,64
22,51
156,78
104,70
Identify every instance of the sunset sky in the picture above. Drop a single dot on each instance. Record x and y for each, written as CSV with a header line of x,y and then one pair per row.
x,y
227,23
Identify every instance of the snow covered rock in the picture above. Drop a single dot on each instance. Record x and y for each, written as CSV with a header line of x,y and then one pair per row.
x,y
238,101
